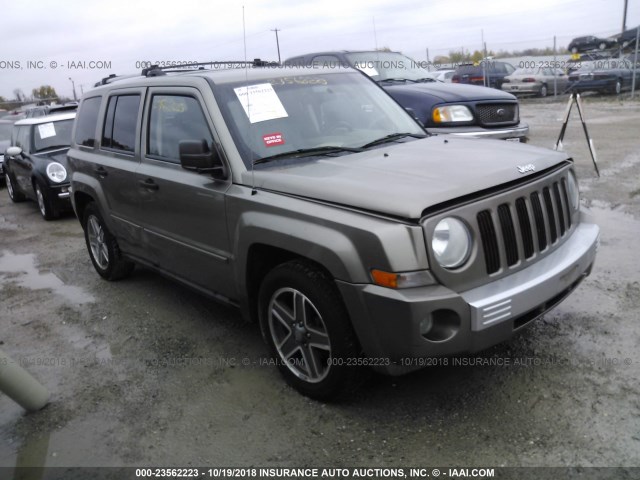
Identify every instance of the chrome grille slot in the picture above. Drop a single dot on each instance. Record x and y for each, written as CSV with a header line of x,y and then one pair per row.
x,y
539,218
525,227
550,214
508,233
556,197
489,241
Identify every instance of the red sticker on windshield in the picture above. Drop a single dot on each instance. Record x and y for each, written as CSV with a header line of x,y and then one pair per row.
x,y
273,139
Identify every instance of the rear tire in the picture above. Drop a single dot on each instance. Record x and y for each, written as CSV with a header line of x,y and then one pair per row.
x,y
307,328
14,194
543,90
103,247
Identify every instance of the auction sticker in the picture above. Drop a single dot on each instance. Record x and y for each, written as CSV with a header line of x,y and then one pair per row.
x,y
260,102
46,130
273,139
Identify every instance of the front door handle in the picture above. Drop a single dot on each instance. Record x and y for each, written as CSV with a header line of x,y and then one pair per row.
x,y
149,184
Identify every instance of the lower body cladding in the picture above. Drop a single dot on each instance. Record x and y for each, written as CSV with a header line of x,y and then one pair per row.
x,y
514,133
396,326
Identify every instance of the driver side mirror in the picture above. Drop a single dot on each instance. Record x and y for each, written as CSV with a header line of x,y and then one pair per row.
x,y
197,156
13,151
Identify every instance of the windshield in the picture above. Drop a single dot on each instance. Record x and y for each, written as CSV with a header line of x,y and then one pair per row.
x,y
388,65
283,114
51,135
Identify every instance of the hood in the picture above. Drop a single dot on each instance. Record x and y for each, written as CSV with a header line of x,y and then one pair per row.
x,y
403,179
59,156
448,92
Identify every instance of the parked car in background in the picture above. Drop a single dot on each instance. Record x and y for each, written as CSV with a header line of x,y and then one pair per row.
x,y
444,75
42,110
604,76
538,81
6,126
465,110
628,38
36,162
589,42
490,73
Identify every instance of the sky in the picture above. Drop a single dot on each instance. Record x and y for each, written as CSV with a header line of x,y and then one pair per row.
x,y
73,42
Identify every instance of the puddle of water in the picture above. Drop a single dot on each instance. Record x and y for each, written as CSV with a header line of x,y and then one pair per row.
x,y
25,274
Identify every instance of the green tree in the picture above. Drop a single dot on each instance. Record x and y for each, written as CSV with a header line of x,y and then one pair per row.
x,y
45,92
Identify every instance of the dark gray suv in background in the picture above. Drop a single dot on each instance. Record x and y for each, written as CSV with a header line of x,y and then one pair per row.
x,y
316,204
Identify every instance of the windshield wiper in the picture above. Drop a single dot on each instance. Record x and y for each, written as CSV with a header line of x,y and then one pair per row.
x,y
308,152
392,138
53,147
397,80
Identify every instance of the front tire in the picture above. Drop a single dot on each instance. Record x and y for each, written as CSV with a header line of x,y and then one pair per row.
x,y
44,202
308,331
14,194
103,247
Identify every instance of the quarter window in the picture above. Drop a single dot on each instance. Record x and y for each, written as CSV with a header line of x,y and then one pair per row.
x,y
174,118
119,132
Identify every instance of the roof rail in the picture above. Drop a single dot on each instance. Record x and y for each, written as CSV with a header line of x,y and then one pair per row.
x,y
156,70
112,78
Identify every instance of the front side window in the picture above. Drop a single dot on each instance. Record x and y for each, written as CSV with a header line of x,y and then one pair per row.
x,y
119,132
21,138
174,118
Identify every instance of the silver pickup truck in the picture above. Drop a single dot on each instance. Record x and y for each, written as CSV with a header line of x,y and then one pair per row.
x,y
313,202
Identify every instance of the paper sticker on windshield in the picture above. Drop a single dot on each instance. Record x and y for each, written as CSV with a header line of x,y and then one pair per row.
x,y
46,130
273,139
260,102
367,69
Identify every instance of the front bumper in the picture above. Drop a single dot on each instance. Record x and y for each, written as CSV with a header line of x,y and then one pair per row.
x,y
521,88
519,131
388,322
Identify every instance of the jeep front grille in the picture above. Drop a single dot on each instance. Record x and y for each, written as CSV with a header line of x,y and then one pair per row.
x,y
540,219
497,113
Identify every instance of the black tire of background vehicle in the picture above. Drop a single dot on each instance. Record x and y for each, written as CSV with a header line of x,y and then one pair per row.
x,y
14,194
602,46
543,90
617,88
307,283
44,202
101,242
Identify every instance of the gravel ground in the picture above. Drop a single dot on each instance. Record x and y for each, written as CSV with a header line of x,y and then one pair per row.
x,y
147,372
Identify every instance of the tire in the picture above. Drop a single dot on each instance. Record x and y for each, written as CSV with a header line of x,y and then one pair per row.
x,y
543,90
602,46
44,202
617,88
103,247
307,329
14,194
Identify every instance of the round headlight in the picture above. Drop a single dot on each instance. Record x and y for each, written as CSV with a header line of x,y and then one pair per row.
x,y
573,191
56,172
451,242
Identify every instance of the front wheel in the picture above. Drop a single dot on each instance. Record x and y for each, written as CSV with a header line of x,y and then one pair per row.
x,y
307,328
44,202
103,247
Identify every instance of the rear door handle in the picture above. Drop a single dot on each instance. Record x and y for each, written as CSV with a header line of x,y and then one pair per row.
x,y
101,172
149,184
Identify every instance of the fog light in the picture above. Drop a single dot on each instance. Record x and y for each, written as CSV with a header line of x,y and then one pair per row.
x,y
425,325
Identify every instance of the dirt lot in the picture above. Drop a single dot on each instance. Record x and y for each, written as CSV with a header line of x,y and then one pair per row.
x,y
146,372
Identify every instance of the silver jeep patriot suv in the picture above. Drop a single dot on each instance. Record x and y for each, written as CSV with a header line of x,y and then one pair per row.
x,y
316,204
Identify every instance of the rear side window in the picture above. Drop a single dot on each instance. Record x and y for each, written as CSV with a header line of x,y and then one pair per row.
x,y
174,118
86,122
119,132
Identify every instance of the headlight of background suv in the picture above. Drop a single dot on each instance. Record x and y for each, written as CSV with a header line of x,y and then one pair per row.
x,y
56,172
574,192
451,242
451,113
